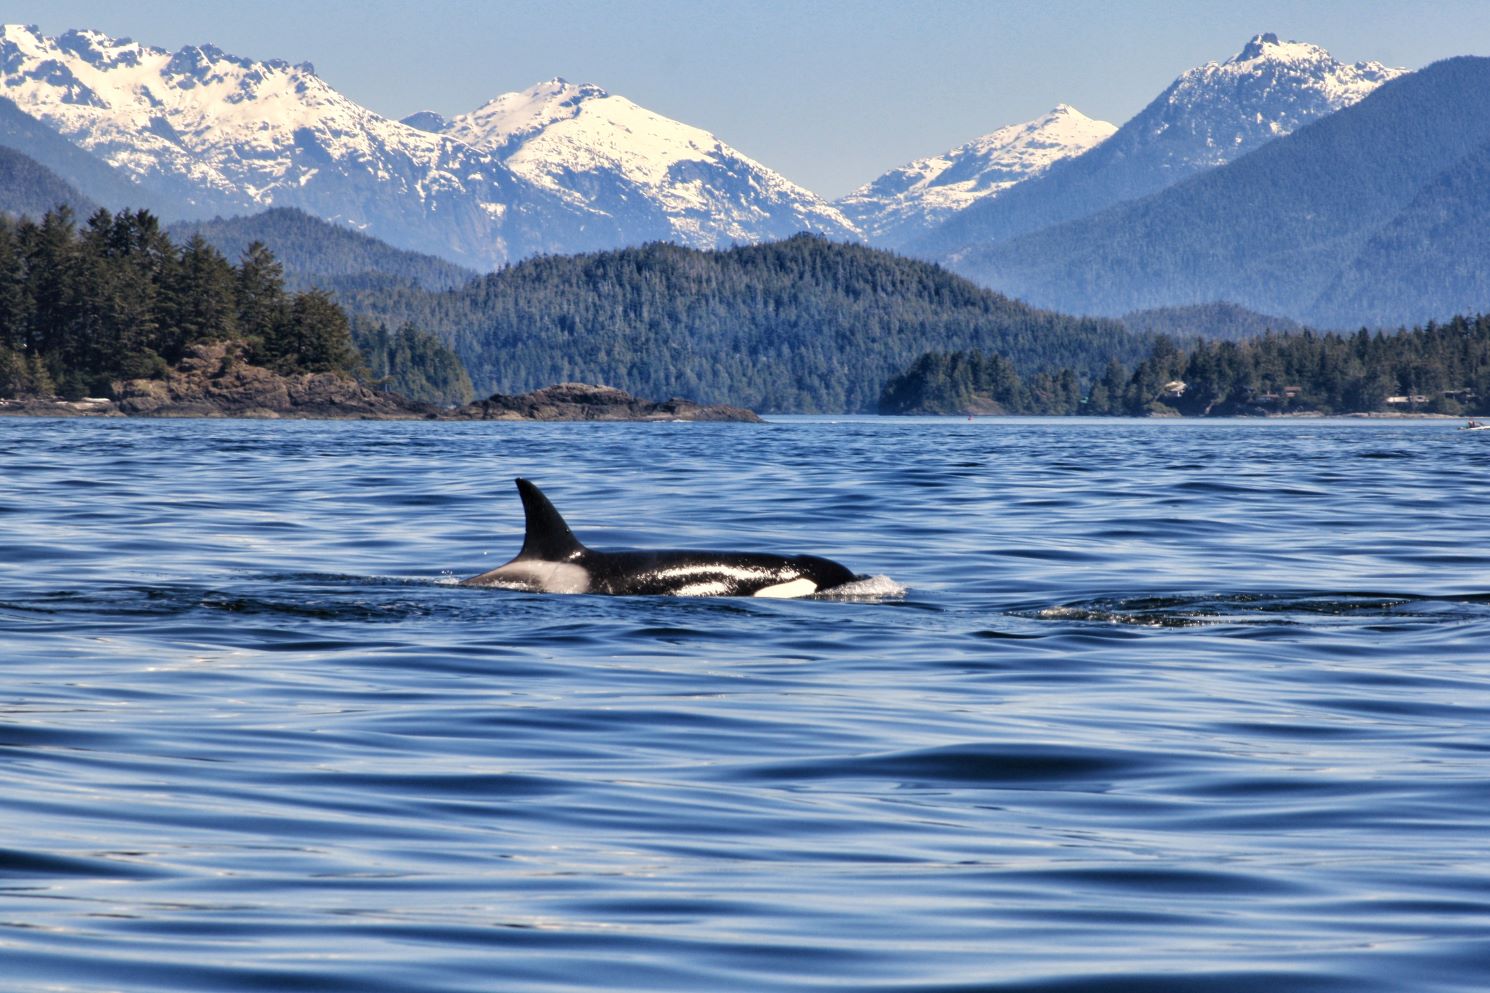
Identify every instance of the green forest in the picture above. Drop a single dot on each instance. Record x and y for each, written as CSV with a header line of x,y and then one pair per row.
x,y
802,325
412,363
1438,368
321,255
27,187
82,307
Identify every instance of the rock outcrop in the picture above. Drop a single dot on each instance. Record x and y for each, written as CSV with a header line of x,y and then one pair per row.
x,y
580,402
216,380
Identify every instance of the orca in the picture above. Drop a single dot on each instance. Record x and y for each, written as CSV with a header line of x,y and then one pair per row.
x,y
552,560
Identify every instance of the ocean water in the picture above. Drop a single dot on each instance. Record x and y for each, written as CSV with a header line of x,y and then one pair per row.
x,y
1129,706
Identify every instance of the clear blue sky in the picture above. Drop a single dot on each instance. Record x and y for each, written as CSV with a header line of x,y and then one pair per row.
x,y
830,93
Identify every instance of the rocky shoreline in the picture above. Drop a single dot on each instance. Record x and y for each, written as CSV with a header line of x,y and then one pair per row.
x,y
580,402
215,380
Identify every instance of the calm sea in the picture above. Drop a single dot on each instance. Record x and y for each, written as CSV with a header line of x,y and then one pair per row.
x,y
1139,706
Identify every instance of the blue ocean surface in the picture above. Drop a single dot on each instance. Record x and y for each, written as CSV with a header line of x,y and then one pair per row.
x,y
1128,706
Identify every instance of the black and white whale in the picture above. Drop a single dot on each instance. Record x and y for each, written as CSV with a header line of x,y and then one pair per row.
x,y
552,560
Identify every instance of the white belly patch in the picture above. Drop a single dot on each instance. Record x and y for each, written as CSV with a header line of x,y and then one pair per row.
x,y
791,588
535,574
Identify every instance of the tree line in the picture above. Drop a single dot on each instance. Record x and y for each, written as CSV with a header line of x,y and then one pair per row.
x,y
82,307
1437,368
412,363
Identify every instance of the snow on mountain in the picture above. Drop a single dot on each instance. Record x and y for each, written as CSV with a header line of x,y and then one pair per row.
x,y
907,202
658,178
561,167
1208,116
1375,214
228,134
91,176
1216,112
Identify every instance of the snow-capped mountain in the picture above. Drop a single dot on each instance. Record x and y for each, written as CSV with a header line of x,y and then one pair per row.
x,y
1207,117
656,177
566,168
907,202
1372,215
1221,110
225,134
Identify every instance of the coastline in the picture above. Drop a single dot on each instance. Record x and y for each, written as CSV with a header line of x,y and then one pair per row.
x,y
541,405
214,380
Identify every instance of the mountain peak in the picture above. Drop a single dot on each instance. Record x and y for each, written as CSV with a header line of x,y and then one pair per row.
x,y
1208,116
1257,47
905,202
213,132
1268,89
1061,112
506,120
606,153
559,88
1266,47
83,39
23,36
427,120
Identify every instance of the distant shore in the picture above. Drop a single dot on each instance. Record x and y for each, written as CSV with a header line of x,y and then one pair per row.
x,y
214,380
564,402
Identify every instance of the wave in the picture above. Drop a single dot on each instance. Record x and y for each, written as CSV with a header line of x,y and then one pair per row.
x,y
1300,607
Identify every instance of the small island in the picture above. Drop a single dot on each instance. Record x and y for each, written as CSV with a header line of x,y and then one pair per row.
x,y
217,379
582,402
116,320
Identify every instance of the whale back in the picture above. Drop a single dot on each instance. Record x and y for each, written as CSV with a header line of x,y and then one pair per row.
x,y
553,560
548,537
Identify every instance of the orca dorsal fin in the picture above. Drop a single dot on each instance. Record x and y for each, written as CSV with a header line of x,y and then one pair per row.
x,y
548,537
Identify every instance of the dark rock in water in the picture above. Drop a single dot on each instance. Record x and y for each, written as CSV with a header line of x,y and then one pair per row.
x,y
579,402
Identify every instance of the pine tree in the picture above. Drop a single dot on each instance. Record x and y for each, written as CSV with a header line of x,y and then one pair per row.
x,y
317,337
202,299
15,305
263,306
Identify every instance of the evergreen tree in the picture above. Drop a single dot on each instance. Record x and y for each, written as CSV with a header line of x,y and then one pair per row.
x,y
115,300
202,300
15,304
50,252
317,337
413,363
262,307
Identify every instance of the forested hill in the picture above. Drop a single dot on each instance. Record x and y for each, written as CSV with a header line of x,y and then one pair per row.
x,y
28,187
1220,321
802,325
322,255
